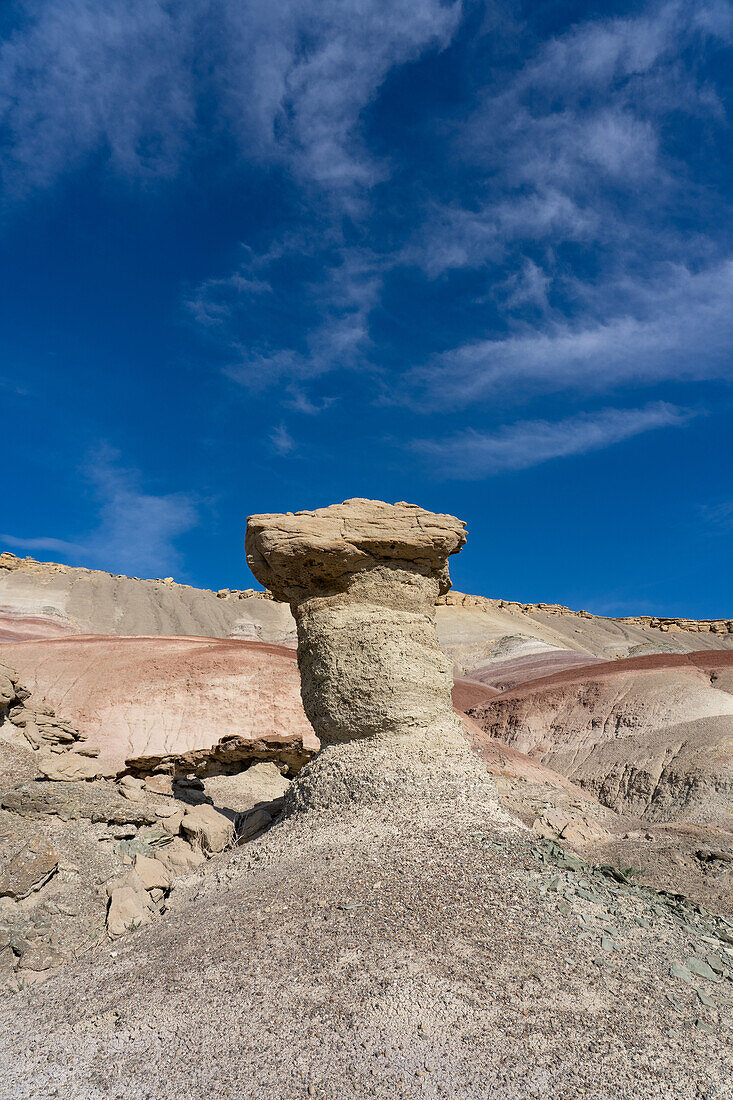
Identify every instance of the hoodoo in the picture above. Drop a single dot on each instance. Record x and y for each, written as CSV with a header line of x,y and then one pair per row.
x,y
362,579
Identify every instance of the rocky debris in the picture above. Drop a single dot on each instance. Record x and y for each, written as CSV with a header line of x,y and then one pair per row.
x,y
137,895
422,950
39,958
667,855
362,579
128,856
605,885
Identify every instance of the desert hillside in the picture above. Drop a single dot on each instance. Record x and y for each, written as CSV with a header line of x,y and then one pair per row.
x,y
494,640
155,787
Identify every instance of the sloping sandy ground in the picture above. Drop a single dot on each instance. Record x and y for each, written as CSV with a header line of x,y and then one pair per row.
x,y
87,601
396,936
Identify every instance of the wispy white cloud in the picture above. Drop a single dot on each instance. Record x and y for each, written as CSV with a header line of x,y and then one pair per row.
x,y
350,48
300,402
679,326
528,286
473,454
576,129
136,531
718,515
281,440
333,333
79,78
44,544
126,82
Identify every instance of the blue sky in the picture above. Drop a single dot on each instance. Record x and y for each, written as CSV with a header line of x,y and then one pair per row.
x,y
263,257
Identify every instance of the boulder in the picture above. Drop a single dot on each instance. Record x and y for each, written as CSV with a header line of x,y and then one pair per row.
x,y
40,957
151,873
67,767
207,828
127,911
260,783
170,823
160,784
179,857
253,823
28,870
96,801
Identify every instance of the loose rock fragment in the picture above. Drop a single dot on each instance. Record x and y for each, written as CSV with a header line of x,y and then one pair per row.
x,y
127,911
28,870
178,856
40,958
697,966
67,767
207,828
152,873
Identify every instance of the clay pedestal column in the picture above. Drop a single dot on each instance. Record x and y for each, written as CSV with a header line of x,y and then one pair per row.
x,y
362,579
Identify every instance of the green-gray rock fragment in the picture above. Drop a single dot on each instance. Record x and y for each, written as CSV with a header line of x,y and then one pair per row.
x,y
697,966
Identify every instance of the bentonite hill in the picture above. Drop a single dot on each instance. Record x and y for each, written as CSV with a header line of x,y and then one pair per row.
x,y
209,887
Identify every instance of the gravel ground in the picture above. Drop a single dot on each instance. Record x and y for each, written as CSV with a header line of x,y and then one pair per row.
x,y
397,935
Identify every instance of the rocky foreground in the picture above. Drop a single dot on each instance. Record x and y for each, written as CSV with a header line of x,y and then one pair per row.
x,y
404,938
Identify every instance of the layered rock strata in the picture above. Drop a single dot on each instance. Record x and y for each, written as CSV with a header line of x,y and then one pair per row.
x,y
362,579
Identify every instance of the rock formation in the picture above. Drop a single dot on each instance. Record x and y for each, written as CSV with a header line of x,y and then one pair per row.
x,y
362,579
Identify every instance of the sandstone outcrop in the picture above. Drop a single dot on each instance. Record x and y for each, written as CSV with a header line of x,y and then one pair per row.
x,y
362,579
654,622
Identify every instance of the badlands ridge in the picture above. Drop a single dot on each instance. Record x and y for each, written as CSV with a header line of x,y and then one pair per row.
x,y
528,893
